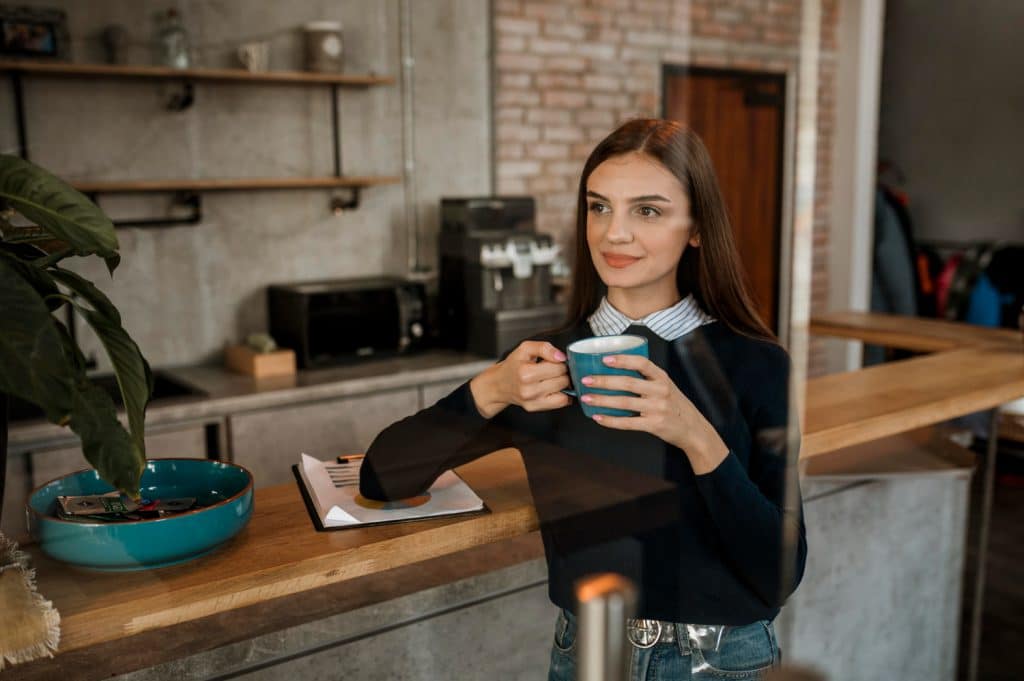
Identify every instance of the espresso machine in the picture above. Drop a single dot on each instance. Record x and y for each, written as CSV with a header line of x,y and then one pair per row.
x,y
495,277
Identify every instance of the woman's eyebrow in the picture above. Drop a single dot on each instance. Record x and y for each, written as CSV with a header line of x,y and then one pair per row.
x,y
635,199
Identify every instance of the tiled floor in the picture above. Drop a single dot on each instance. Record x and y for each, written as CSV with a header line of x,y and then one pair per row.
x,y
1002,642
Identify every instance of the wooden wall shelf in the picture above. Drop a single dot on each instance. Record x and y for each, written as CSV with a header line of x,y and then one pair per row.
x,y
212,75
233,184
187,190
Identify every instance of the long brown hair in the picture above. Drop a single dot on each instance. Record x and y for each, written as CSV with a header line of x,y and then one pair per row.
x,y
711,272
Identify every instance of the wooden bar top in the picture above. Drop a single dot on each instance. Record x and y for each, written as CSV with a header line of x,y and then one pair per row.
x,y
858,406
279,554
910,333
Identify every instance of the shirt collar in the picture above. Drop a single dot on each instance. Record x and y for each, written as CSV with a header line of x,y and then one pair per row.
x,y
670,323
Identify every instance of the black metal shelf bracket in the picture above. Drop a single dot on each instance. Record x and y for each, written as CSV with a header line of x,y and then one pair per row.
x,y
180,101
191,200
336,130
340,205
19,113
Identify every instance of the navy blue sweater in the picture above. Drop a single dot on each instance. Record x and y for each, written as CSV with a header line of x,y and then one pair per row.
x,y
702,549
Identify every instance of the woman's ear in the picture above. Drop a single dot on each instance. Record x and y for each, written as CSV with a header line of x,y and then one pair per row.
x,y
695,241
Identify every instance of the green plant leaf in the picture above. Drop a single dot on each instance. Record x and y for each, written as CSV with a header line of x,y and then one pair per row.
x,y
105,442
57,207
34,365
134,377
38,279
70,348
37,364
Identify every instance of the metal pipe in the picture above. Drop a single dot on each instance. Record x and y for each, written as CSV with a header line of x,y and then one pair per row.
x,y
988,489
604,603
409,139
19,114
335,130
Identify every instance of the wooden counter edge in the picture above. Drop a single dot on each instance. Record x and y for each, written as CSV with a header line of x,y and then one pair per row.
x,y
920,334
179,641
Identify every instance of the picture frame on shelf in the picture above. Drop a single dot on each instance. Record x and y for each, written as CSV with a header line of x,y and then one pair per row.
x,y
34,33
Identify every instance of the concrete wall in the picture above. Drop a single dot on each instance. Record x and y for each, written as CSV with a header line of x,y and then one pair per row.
x,y
185,291
952,104
498,625
880,598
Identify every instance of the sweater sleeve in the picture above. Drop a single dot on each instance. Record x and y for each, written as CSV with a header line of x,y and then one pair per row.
x,y
747,506
408,456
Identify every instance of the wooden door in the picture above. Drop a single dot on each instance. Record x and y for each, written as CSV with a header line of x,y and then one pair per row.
x,y
740,116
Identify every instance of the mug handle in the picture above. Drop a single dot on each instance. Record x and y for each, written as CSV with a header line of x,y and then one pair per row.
x,y
570,393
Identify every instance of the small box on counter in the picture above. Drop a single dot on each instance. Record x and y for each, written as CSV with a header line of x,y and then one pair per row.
x,y
244,360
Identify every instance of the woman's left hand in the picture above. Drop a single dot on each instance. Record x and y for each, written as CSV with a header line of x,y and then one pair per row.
x,y
663,410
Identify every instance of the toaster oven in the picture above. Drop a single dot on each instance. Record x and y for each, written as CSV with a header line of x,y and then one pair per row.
x,y
335,321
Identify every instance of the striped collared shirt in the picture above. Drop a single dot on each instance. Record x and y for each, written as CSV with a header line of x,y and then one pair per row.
x,y
670,323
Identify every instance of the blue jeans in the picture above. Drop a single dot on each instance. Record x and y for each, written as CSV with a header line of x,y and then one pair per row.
x,y
745,652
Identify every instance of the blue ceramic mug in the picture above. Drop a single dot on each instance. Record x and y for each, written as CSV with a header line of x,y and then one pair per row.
x,y
585,359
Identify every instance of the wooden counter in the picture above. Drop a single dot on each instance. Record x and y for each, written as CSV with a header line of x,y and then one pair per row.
x,y
911,333
280,570
858,406
279,553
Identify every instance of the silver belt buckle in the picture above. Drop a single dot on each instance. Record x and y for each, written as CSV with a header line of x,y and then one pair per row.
x,y
643,633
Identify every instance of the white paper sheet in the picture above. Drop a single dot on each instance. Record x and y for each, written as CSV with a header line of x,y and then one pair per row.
x,y
337,506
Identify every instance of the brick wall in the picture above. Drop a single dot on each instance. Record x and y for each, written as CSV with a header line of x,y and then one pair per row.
x,y
568,71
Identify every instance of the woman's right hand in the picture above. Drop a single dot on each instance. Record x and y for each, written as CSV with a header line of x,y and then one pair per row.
x,y
532,376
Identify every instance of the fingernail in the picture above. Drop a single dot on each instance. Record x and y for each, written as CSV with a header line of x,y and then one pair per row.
x,y
587,398
559,355
587,380
610,359
598,417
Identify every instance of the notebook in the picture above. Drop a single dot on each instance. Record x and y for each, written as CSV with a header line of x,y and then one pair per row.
x,y
331,493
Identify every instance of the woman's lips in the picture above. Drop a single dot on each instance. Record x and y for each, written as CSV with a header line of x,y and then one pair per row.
x,y
619,261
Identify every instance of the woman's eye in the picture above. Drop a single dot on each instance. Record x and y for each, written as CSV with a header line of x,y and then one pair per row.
x,y
598,208
649,212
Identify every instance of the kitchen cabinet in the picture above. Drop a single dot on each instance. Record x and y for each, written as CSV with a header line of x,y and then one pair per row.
x,y
268,442
186,441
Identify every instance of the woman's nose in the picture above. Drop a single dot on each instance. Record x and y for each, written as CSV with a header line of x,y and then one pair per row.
x,y
618,230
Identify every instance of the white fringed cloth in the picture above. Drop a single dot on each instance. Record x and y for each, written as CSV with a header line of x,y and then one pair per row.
x,y
30,625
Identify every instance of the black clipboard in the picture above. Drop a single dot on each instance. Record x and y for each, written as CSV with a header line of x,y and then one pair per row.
x,y
319,526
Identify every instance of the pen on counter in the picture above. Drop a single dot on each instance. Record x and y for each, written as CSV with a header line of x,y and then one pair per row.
x,y
349,458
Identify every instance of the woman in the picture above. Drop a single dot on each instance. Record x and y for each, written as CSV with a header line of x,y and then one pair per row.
x,y
655,257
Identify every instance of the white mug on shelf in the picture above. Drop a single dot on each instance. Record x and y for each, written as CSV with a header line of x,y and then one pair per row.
x,y
255,56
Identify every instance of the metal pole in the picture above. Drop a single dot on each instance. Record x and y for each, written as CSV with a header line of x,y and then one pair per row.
x,y
335,130
412,229
986,520
19,114
605,602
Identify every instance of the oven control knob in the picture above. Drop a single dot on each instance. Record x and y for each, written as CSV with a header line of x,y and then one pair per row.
x,y
416,329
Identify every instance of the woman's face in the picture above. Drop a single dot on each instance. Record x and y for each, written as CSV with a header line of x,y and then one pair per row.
x,y
638,223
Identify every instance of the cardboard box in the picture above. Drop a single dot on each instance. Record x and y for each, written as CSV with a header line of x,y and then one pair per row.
x,y
244,360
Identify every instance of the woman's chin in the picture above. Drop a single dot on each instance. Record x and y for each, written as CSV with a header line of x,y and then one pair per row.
x,y
621,279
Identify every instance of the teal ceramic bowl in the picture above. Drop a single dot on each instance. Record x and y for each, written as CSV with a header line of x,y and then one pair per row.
x,y
223,490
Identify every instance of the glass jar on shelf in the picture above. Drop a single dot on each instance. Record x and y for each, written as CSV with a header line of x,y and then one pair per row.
x,y
172,42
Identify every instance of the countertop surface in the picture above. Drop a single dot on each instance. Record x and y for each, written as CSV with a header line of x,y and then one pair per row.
x,y
228,393
280,555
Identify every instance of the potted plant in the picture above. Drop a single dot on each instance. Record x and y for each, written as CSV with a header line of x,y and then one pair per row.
x,y
39,360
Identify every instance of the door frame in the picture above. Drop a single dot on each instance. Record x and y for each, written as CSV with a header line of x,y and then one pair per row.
x,y
784,210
